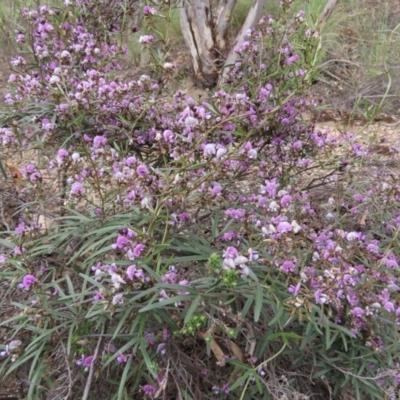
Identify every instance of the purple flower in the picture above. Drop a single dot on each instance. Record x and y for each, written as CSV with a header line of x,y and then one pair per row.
x,y
142,171
231,252
286,200
184,217
118,298
98,296
284,227
116,280
191,122
161,349
149,390
225,388
291,60
166,334
270,188
163,295
357,312
390,261
27,282
168,135
150,338
137,251
209,149
221,152
20,228
122,242
63,107
294,289
252,153
146,39
130,272
216,189
85,361
235,213
147,10
321,298
228,236
389,306
287,267
99,141
62,155
19,251
77,189
122,358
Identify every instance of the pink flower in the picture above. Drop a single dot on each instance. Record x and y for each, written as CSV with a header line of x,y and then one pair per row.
x,y
61,155
286,200
357,312
137,251
147,10
231,252
216,189
284,227
85,361
27,282
294,289
287,267
130,272
118,298
142,171
99,141
149,390
77,189
209,149
146,39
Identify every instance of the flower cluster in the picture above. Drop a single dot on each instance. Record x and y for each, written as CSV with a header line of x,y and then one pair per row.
x,y
173,208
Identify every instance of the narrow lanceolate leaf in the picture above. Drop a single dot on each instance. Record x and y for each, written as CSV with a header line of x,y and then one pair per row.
x,y
122,382
192,309
163,303
258,302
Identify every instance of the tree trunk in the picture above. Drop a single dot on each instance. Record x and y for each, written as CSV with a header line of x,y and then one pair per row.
x,y
326,12
197,28
207,36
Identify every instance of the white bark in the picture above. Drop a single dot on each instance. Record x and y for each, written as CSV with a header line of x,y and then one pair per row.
x,y
197,28
252,19
224,15
207,37
326,12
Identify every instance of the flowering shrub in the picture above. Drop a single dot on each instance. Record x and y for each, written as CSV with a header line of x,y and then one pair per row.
x,y
203,257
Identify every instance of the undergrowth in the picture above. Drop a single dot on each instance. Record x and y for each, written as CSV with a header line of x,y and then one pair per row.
x,y
222,249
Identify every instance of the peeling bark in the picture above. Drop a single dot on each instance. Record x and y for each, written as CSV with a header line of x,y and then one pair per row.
x,y
326,12
224,15
197,28
207,37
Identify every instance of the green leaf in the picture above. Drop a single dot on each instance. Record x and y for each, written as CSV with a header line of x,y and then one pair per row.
x,y
277,317
285,336
241,380
215,222
163,303
192,309
3,171
258,302
122,382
